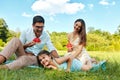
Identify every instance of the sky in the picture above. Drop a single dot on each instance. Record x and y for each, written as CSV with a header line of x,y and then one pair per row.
x,y
60,15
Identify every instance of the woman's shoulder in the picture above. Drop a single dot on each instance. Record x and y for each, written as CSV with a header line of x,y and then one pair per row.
x,y
69,34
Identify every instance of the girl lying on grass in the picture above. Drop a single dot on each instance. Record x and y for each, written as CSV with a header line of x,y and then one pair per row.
x,y
65,63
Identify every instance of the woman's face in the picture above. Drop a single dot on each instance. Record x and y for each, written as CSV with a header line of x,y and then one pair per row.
x,y
44,59
77,26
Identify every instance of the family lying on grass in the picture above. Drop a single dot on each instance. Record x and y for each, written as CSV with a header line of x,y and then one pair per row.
x,y
28,50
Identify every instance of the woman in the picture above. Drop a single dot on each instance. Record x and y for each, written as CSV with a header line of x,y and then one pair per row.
x,y
77,42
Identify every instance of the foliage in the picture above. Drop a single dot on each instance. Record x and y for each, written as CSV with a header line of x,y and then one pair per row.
x,y
97,40
3,30
59,40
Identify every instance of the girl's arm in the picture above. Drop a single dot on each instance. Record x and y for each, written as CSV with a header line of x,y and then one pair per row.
x,y
60,60
69,62
68,59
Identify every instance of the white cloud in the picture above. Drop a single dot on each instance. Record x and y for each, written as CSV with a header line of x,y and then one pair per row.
x,y
53,7
26,15
106,2
113,3
90,6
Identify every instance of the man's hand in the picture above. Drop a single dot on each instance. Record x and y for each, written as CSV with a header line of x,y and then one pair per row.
x,y
29,44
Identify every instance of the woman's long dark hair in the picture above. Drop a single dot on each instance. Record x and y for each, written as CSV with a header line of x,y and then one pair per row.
x,y
82,31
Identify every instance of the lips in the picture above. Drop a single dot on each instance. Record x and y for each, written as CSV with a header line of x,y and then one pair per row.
x,y
37,40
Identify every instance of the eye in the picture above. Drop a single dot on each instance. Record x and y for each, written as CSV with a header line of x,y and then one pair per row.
x,y
43,57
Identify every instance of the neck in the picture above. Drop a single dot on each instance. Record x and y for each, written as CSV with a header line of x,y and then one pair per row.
x,y
37,35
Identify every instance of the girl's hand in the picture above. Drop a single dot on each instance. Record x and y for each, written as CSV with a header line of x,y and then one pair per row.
x,y
67,70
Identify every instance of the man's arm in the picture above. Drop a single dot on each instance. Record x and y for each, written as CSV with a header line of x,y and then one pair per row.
x,y
54,53
29,44
51,47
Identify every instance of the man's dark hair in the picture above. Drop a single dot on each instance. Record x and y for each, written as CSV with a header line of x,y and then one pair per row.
x,y
38,19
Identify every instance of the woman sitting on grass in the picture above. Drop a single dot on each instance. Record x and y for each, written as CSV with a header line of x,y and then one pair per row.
x,y
65,62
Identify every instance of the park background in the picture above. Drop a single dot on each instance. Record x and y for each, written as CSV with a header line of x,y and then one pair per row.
x,y
102,25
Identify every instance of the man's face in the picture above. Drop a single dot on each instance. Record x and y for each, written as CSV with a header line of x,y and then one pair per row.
x,y
44,59
38,27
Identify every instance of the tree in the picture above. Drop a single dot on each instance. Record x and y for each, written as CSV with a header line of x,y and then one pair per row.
x,y
3,30
119,29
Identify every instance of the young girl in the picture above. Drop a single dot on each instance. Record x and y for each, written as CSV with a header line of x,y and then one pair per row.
x,y
77,42
65,62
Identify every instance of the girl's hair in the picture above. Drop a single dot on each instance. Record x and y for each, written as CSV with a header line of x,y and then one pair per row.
x,y
40,53
43,52
82,31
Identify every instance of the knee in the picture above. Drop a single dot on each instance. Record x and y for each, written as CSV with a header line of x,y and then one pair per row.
x,y
2,59
16,40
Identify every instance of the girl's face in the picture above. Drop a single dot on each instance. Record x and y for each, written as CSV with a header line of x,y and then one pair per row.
x,y
44,59
77,26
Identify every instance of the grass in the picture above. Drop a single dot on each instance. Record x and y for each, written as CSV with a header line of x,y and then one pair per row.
x,y
112,72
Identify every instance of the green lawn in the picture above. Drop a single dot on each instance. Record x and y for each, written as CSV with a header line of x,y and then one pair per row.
x,y
112,72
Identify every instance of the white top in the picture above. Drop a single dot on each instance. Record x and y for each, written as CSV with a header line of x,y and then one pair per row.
x,y
28,36
83,56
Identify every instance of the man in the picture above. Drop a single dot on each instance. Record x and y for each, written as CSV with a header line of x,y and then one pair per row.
x,y
30,44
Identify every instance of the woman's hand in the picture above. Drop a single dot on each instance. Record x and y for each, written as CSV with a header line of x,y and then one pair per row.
x,y
70,49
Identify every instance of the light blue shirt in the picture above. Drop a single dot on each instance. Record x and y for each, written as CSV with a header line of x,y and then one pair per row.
x,y
28,36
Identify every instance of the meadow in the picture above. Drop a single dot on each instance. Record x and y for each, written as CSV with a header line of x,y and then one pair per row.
x,y
112,71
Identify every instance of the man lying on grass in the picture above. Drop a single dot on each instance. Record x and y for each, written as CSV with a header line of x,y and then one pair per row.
x,y
65,62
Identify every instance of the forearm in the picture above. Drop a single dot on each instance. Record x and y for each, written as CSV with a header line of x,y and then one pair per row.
x,y
69,62
77,51
54,54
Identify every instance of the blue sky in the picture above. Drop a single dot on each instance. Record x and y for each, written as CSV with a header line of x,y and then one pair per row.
x,y
61,14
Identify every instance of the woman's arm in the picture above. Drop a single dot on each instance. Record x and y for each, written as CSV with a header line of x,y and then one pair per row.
x,y
77,51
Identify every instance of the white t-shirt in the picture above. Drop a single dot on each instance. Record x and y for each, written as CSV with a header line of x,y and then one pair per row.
x,y
28,36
